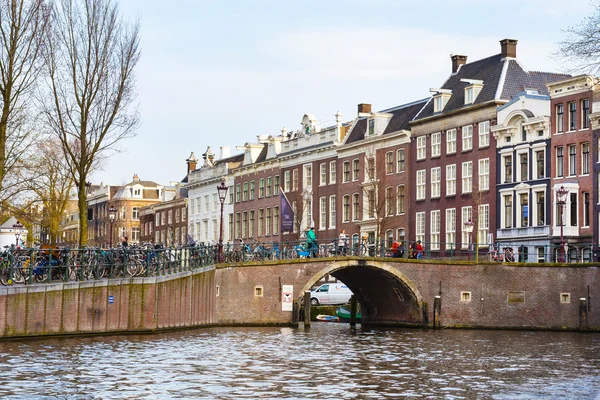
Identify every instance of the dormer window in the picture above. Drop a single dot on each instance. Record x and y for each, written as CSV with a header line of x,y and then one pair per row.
x,y
472,91
371,127
440,99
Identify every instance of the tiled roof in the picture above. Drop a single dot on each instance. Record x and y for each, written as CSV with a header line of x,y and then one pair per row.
x,y
234,158
147,184
489,70
358,132
263,154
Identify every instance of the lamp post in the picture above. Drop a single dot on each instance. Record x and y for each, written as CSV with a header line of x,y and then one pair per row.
x,y
561,195
112,213
18,228
222,190
469,229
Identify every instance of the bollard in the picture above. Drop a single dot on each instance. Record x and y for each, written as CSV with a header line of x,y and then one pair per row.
x,y
425,315
307,309
583,314
437,308
353,309
295,311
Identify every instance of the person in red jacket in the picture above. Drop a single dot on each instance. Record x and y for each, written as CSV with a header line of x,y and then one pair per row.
x,y
419,250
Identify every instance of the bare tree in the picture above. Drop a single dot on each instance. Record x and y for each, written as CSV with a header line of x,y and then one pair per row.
x,y
23,27
582,45
53,185
91,61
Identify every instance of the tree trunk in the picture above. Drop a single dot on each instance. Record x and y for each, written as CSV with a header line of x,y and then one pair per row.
x,y
82,205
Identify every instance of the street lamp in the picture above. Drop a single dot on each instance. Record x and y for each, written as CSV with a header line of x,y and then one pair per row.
x,y
112,213
18,227
222,190
561,195
469,229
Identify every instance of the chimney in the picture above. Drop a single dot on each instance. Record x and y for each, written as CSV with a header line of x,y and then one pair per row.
x,y
457,61
192,161
136,178
508,48
364,108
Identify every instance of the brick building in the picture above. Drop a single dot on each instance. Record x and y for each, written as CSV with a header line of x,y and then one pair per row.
x,y
453,161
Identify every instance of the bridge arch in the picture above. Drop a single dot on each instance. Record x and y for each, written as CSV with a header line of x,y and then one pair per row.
x,y
386,295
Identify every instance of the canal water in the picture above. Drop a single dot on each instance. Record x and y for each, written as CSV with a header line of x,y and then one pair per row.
x,y
329,361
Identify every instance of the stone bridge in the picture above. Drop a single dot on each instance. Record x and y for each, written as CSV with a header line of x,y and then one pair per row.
x,y
391,292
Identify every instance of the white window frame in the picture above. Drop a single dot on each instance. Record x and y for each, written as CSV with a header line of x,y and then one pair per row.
x,y
420,226
436,144
484,134
322,174
466,215
332,211
467,177
287,180
467,137
421,143
484,174
421,182
332,172
451,229
323,212
434,230
451,141
451,180
436,176
483,222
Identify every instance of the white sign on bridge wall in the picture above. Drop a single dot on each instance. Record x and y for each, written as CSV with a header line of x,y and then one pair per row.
x,y
287,297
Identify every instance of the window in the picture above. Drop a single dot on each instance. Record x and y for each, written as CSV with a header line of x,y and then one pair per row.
x,y
307,176
523,160
572,159
135,234
450,228
346,208
276,185
332,172
436,176
371,203
560,161
261,222
371,167
421,181
332,208
586,209
322,174
467,177
523,133
507,168
572,116
238,194
371,127
389,162
540,208
421,143
355,169
539,162
560,120
135,213
451,141
483,220
245,192
400,161
467,216
585,158
183,214
434,230
484,174
238,225
206,203
508,217
420,226
573,211
269,186
436,144
251,190
346,171
123,213
585,114
250,226
157,223
245,224
295,179
400,199
275,220
268,222
469,95
484,133
467,137
438,103
323,212
286,181
389,201
450,180
355,207
177,215
524,211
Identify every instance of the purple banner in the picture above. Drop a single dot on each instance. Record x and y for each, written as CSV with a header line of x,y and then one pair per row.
x,y
287,214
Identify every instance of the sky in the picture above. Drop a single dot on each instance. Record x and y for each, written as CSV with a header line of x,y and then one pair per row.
x,y
219,73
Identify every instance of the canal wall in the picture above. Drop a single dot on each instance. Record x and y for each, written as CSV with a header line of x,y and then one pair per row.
x,y
149,304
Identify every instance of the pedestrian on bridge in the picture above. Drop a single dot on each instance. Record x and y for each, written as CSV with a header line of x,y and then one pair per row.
x,y
311,241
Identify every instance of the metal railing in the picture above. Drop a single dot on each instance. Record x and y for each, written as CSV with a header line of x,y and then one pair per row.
x,y
45,265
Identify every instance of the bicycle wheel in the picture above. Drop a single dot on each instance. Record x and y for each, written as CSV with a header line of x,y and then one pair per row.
x,y
4,275
491,256
19,275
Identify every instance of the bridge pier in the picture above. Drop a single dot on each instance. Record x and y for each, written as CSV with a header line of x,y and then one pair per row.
x,y
437,309
307,309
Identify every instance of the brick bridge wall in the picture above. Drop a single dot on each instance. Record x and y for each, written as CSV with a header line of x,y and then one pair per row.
x,y
525,296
